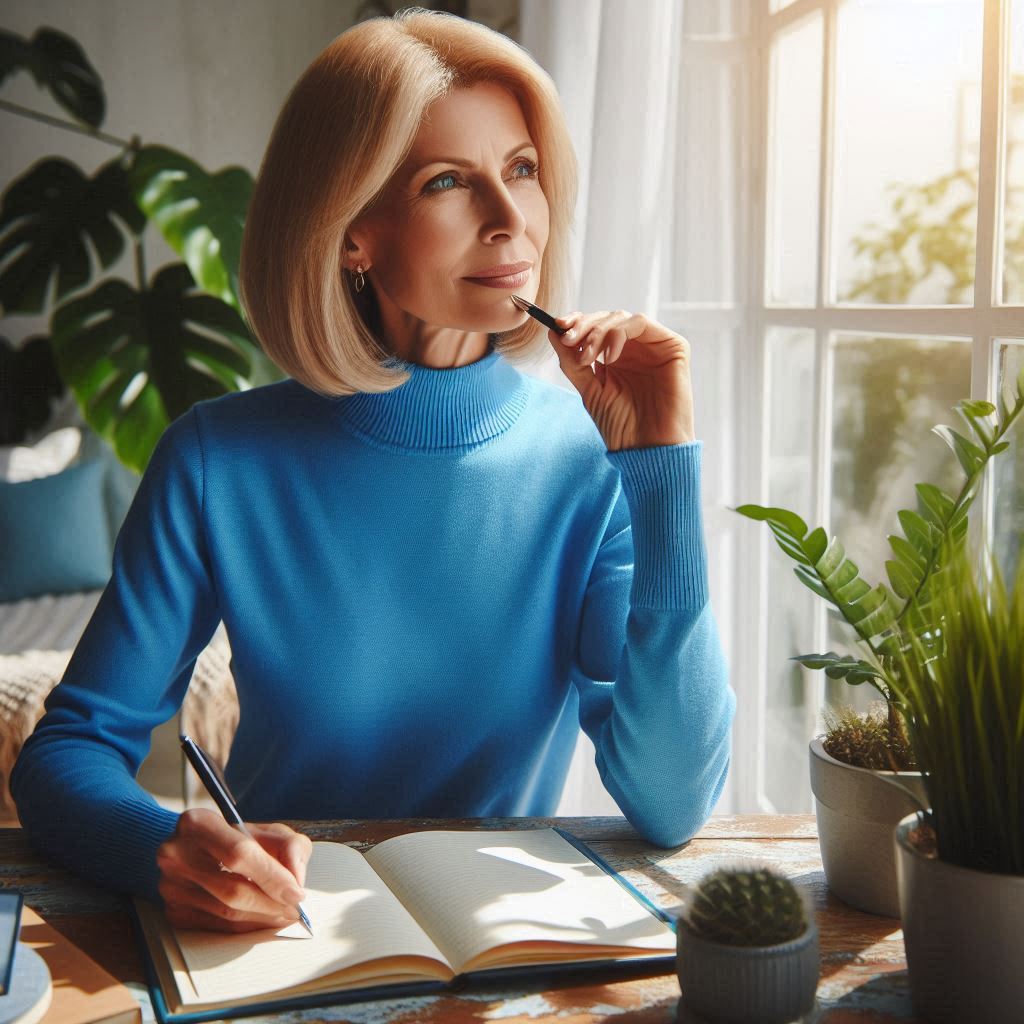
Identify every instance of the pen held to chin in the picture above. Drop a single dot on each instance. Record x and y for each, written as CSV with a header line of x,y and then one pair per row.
x,y
538,314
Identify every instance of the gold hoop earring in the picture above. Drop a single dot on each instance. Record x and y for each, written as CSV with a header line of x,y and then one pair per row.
x,y
360,280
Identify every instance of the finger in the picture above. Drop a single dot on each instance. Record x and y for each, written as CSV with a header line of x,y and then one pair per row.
x,y
578,324
595,339
211,840
581,377
228,889
185,898
284,844
615,347
246,857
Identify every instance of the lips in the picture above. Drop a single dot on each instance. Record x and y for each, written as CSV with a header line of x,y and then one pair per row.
x,y
507,281
501,270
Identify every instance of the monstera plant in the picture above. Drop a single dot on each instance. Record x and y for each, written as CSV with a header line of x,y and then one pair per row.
x,y
136,354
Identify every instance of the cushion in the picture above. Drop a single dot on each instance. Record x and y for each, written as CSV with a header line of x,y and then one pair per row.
x,y
54,533
49,455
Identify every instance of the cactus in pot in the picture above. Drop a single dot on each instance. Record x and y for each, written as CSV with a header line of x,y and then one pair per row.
x,y
747,947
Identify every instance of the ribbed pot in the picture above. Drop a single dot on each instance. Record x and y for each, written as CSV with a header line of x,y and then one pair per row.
x,y
857,811
747,984
963,931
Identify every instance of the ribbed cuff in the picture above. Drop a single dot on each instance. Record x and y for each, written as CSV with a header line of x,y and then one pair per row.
x,y
662,488
149,826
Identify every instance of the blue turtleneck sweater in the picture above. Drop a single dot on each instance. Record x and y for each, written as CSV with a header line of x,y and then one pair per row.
x,y
427,593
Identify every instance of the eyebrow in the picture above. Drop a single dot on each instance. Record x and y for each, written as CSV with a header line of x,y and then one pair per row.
x,y
469,163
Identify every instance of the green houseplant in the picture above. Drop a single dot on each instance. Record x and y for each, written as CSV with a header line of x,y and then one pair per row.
x,y
135,354
960,865
747,948
856,805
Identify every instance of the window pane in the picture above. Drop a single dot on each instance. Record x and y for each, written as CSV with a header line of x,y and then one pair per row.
x,y
704,263
787,727
794,157
906,171
1013,202
888,393
1008,469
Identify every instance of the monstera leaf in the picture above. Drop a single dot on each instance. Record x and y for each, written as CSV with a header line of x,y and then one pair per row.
x,y
58,65
48,215
138,360
28,380
200,214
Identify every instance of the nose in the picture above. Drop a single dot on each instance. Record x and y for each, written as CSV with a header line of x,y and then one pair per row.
x,y
501,214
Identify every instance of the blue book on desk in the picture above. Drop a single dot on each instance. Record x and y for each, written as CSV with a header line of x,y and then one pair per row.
x,y
10,925
421,913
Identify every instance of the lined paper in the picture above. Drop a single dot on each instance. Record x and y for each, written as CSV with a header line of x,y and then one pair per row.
x,y
476,890
354,917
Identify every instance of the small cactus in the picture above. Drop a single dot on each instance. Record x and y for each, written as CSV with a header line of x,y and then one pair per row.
x,y
746,907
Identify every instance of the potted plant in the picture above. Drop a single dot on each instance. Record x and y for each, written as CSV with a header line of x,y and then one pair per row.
x,y
747,948
858,804
960,865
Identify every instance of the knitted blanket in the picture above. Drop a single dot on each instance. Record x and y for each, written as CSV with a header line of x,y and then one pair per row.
x,y
209,713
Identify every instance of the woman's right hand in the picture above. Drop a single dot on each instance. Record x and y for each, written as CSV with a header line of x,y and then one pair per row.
x,y
215,877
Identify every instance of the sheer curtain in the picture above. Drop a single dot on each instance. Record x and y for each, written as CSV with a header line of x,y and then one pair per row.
x,y
615,67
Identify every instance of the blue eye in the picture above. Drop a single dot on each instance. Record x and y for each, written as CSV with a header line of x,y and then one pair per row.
x,y
530,166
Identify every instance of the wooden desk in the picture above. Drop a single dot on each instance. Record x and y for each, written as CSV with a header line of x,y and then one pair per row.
x,y
863,967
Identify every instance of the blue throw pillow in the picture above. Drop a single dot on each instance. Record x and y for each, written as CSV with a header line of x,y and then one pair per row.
x,y
54,533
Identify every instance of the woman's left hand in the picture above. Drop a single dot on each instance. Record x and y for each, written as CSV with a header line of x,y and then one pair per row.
x,y
640,396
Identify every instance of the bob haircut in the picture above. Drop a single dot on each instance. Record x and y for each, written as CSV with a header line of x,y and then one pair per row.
x,y
346,126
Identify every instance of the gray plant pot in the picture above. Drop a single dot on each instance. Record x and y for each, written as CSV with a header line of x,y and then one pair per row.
x,y
963,931
747,984
857,810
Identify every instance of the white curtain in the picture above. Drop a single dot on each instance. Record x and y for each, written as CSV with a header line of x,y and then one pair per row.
x,y
615,66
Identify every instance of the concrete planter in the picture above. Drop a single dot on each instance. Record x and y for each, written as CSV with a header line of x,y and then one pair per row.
x,y
963,931
746,984
857,811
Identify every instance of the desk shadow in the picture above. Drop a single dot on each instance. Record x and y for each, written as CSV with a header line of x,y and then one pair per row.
x,y
845,932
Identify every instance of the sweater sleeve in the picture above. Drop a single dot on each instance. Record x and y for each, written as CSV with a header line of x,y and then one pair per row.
x,y
651,675
74,781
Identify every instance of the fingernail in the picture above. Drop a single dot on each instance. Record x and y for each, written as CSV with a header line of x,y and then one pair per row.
x,y
569,337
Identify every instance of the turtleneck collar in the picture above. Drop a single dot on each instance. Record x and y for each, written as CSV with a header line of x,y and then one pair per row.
x,y
441,408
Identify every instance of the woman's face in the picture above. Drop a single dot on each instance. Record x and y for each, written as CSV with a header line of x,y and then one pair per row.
x,y
440,221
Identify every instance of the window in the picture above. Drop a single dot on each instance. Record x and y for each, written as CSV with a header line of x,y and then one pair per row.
x,y
847,254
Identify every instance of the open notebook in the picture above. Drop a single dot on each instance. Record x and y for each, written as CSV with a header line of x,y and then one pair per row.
x,y
411,915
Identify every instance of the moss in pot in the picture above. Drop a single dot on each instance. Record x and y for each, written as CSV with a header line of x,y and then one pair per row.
x,y
747,948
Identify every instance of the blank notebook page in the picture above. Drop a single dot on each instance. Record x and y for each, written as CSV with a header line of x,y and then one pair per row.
x,y
480,890
344,898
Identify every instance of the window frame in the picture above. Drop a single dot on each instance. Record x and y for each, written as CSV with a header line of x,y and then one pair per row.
x,y
735,545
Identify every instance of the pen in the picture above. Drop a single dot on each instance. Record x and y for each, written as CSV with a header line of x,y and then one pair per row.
x,y
216,785
538,314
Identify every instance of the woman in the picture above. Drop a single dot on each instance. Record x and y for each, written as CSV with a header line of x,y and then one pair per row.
x,y
433,569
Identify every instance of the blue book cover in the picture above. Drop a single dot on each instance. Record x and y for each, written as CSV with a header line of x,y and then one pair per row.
x,y
544,877
10,926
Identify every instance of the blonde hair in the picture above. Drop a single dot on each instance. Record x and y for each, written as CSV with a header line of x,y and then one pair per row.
x,y
346,126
